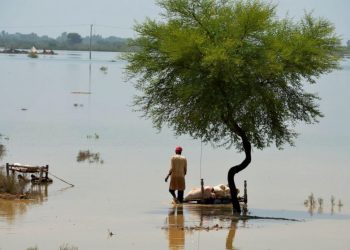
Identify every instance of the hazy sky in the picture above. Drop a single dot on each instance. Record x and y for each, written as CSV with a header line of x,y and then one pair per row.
x,y
117,17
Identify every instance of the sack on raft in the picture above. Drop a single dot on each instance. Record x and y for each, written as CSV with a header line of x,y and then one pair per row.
x,y
222,191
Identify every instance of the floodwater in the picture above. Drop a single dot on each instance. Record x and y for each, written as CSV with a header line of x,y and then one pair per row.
x,y
56,109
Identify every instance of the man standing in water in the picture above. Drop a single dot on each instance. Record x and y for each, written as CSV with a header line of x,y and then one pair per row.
x,y
178,170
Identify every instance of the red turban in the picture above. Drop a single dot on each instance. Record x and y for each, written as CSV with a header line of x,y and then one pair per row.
x,y
178,149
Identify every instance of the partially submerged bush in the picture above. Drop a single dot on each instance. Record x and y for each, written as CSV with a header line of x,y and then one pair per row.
x,y
86,155
10,184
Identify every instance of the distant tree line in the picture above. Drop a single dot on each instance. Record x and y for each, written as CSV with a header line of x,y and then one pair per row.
x,y
66,41
345,50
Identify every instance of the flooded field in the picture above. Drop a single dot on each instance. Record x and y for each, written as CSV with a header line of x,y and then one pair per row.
x,y
76,116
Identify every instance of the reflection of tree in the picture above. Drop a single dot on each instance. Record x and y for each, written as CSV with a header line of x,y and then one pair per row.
x,y
201,218
231,235
216,217
176,233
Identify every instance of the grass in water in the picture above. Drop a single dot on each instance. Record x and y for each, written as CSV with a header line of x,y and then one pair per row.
x,y
64,246
2,151
68,247
10,184
33,248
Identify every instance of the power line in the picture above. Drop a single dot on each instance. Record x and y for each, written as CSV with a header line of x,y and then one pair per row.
x,y
112,26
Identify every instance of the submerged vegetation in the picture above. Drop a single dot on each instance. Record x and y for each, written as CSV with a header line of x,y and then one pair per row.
x,y
313,204
2,151
94,136
86,155
2,147
64,246
104,69
11,185
33,248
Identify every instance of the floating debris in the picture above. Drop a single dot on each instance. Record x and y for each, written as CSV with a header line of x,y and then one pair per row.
x,y
24,109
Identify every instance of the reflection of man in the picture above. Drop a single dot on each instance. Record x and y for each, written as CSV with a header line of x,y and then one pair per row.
x,y
178,170
231,235
176,232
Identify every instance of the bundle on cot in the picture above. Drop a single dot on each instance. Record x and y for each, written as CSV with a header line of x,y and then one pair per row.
x,y
210,192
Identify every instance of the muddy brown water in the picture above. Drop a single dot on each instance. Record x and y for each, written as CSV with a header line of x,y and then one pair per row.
x,y
53,107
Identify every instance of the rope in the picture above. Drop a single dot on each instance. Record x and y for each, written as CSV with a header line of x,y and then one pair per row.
x,y
200,161
61,179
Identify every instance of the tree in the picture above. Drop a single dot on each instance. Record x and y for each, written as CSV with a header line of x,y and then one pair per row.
x,y
231,73
74,38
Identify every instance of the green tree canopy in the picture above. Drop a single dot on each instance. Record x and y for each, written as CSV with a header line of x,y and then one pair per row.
x,y
74,38
210,64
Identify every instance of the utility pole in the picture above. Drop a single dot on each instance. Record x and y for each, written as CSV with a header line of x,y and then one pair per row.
x,y
90,40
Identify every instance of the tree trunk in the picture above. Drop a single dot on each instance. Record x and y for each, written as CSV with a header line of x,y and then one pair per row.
x,y
235,169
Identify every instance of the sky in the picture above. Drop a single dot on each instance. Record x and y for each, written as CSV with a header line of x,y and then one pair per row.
x,y
117,17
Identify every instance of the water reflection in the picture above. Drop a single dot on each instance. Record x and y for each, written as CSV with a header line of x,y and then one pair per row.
x,y
199,218
10,209
175,228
